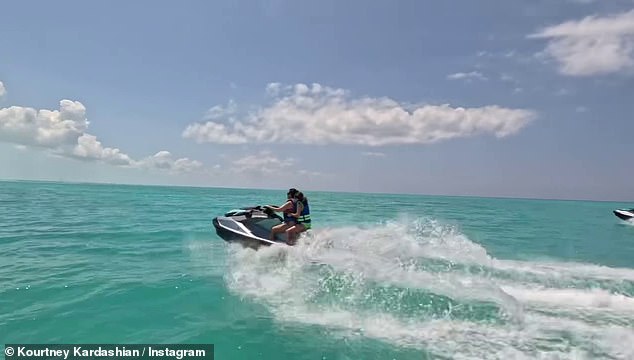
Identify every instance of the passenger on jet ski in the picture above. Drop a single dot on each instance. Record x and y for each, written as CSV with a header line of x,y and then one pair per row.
x,y
287,208
302,219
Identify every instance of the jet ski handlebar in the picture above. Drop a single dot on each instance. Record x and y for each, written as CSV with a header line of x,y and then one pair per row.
x,y
269,211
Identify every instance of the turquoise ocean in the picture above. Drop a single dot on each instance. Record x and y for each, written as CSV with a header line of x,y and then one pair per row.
x,y
379,277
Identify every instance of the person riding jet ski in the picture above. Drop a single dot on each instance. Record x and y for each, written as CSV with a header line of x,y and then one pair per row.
x,y
287,208
302,216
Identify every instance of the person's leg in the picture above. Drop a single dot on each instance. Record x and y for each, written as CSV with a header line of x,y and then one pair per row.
x,y
289,235
278,229
292,232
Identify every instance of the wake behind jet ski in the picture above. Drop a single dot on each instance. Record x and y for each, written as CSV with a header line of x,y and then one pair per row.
x,y
249,225
624,214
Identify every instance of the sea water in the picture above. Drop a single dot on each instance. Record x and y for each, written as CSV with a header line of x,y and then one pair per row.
x,y
379,277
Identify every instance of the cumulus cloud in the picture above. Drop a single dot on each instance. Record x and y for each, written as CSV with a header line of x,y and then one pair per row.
x,y
88,147
316,114
591,46
476,75
220,111
213,132
273,88
43,128
164,160
263,163
3,90
63,132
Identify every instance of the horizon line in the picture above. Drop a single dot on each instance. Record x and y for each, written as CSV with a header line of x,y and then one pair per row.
x,y
502,197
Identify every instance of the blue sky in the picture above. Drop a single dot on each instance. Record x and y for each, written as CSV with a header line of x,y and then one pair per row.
x,y
486,98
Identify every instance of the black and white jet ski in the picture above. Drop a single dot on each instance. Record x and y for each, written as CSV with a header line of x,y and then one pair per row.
x,y
624,214
249,225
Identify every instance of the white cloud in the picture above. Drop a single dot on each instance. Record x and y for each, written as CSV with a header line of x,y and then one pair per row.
x,y
3,90
88,147
63,132
263,163
317,114
273,88
213,132
467,76
593,45
43,128
220,111
313,174
266,166
165,161
374,154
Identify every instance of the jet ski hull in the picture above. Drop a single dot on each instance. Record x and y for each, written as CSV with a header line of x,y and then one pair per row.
x,y
624,214
224,233
249,226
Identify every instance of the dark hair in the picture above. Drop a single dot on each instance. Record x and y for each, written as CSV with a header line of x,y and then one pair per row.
x,y
292,192
300,196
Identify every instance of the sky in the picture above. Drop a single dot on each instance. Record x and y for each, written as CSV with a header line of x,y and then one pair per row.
x,y
470,98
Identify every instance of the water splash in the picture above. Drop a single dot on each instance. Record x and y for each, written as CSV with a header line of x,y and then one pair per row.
x,y
423,284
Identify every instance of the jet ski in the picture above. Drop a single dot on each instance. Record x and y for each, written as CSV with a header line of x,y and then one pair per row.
x,y
249,225
624,214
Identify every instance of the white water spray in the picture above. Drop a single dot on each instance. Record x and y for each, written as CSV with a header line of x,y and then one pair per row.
x,y
428,286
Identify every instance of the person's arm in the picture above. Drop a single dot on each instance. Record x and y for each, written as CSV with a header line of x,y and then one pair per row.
x,y
284,207
300,208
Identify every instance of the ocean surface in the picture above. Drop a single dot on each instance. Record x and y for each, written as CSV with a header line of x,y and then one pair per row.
x,y
380,276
